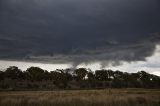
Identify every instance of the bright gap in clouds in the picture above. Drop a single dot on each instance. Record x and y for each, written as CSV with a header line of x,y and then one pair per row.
x,y
151,65
25,65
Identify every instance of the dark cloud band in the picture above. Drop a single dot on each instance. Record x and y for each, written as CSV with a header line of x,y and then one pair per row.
x,y
77,31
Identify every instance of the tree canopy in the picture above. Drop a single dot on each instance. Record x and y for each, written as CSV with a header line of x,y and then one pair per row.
x,y
35,77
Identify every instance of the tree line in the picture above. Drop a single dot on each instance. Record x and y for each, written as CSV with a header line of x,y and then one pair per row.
x,y
35,78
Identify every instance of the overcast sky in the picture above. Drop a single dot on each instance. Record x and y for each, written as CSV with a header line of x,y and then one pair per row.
x,y
122,34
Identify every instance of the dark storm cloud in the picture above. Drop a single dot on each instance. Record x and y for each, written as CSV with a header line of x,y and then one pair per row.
x,y
79,31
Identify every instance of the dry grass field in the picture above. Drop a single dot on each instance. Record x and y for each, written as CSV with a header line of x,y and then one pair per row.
x,y
113,97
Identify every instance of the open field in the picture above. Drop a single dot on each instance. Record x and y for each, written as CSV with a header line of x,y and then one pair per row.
x,y
108,97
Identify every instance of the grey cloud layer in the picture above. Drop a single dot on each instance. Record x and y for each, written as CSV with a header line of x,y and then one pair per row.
x,y
79,30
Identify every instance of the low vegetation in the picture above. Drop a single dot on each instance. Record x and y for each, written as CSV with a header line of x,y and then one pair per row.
x,y
106,97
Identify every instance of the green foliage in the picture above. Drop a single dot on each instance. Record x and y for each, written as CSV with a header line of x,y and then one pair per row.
x,y
1,75
80,73
101,75
35,73
13,73
37,78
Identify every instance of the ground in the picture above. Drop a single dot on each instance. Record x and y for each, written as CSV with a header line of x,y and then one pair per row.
x,y
106,97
